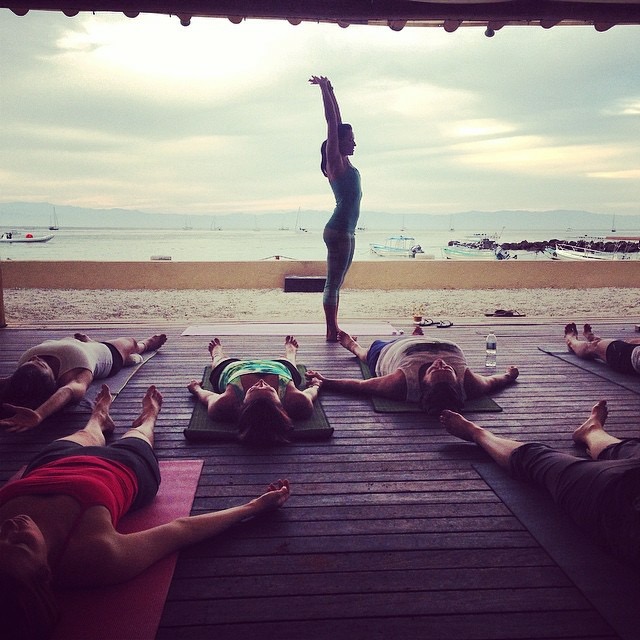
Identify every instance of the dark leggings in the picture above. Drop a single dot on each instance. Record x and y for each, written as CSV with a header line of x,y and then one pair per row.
x,y
341,246
583,487
618,356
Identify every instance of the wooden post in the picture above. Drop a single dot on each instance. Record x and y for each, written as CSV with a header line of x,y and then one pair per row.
x,y
3,324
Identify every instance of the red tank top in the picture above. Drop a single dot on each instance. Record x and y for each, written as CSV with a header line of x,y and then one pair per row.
x,y
88,479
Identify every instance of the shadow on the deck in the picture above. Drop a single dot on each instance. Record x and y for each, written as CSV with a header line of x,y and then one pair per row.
x,y
391,531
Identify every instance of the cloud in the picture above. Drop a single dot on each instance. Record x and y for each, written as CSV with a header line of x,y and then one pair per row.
x,y
109,111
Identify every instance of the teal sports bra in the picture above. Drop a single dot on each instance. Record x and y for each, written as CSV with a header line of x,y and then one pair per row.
x,y
231,374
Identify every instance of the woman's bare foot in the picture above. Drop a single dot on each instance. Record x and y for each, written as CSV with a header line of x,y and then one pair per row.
x,y
151,406
215,348
595,422
588,333
290,348
459,426
101,410
194,386
152,343
332,336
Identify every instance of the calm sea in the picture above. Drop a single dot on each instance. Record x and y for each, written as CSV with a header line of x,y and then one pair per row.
x,y
227,245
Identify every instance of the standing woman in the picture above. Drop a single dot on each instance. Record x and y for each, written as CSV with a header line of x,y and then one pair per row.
x,y
339,232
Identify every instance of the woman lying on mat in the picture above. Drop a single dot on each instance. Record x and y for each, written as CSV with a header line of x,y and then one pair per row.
x,y
430,372
601,494
262,396
620,355
58,522
56,373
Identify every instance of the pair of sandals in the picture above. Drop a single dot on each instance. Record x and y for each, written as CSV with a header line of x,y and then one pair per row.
x,y
440,324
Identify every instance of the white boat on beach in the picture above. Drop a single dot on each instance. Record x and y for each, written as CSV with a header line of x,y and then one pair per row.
x,y
11,237
571,252
397,247
475,251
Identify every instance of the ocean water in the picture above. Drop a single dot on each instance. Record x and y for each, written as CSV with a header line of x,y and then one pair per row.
x,y
228,245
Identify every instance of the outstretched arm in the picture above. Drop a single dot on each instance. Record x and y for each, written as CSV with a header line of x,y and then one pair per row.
x,y
393,386
476,385
130,554
25,419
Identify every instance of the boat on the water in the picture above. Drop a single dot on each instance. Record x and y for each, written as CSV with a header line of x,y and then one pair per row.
x,y
476,251
570,252
54,225
397,247
12,236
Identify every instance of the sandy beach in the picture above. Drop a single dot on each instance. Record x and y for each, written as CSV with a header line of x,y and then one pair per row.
x,y
40,305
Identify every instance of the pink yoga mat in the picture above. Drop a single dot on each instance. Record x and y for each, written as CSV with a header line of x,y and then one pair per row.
x,y
132,610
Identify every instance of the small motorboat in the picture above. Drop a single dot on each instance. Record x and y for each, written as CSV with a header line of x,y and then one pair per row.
x,y
476,251
572,252
397,247
12,236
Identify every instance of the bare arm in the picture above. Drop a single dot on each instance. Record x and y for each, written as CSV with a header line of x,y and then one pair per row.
x,y
335,161
392,386
476,385
25,419
130,554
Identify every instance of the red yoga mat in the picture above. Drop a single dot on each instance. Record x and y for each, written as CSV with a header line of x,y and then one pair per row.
x,y
132,610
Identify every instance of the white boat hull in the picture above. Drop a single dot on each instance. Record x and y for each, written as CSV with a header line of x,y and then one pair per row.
x,y
569,252
15,238
468,253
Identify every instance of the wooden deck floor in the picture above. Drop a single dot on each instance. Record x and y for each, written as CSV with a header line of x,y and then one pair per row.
x,y
390,531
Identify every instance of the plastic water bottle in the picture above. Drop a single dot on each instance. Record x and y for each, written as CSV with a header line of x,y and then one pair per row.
x,y
492,351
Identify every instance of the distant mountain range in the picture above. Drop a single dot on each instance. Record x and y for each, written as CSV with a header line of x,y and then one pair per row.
x,y
39,215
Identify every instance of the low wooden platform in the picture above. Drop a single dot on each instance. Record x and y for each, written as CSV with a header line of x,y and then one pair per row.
x,y
390,531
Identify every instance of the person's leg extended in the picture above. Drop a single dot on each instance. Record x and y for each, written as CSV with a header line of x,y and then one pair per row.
x,y
99,423
589,349
500,449
145,423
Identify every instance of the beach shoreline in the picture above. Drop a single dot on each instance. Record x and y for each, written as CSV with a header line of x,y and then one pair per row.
x,y
173,305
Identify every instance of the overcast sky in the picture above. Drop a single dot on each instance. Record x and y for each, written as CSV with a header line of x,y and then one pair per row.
x,y
107,111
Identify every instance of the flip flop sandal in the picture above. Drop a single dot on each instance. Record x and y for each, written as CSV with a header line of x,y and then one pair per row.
x,y
444,324
500,313
426,322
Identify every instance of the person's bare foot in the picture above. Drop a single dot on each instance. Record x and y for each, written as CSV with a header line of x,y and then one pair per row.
x,y
570,334
194,386
151,405
595,421
587,332
290,347
215,347
101,410
571,329
459,426
82,337
350,343
152,343
332,336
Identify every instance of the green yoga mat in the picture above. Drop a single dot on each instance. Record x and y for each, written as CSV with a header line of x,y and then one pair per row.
x,y
484,404
203,429
629,381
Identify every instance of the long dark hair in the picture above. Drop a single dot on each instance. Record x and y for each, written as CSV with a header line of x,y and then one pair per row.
x,y
28,386
343,130
263,422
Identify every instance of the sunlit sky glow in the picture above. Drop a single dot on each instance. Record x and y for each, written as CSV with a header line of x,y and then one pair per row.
x,y
105,111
